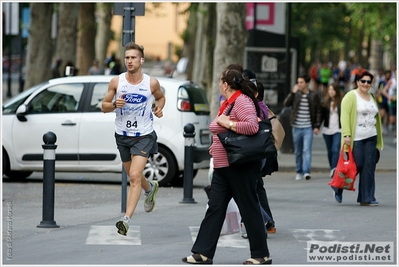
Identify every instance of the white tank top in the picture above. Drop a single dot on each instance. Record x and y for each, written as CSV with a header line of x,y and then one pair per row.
x,y
135,118
365,118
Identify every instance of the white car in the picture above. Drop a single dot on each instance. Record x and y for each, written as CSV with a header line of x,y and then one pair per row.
x,y
71,108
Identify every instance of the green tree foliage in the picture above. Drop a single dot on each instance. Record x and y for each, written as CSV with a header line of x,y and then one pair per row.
x,y
327,29
320,28
379,19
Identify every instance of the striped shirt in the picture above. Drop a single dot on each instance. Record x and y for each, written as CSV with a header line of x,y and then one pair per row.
x,y
302,119
244,114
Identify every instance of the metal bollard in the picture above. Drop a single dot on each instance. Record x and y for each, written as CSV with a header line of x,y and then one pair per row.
x,y
49,147
189,134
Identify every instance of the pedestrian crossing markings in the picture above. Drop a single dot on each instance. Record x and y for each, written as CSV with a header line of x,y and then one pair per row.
x,y
107,235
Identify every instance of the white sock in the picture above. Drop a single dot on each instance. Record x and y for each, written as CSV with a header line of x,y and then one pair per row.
x,y
149,190
126,218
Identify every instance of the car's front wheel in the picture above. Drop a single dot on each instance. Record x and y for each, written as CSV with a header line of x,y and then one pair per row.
x,y
161,167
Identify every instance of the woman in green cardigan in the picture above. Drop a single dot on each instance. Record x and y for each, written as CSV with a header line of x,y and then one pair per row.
x,y
361,129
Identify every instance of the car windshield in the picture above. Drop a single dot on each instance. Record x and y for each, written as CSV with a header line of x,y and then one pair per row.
x,y
11,106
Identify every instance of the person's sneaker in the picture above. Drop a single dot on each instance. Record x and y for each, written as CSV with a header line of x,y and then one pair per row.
x,y
150,201
123,226
307,176
270,226
338,198
372,203
332,172
298,177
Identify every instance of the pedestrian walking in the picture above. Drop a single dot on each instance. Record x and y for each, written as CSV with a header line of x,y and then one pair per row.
x,y
55,70
362,130
383,101
305,121
258,89
96,69
232,181
331,110
134,94
390,92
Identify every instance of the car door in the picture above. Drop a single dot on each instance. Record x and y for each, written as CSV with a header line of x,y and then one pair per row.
x,y
97,147
54,109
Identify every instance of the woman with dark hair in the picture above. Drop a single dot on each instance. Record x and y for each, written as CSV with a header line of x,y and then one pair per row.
x,y
232,181
361,129
331,110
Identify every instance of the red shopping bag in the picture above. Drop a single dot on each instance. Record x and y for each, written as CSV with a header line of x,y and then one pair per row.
x,y
346,171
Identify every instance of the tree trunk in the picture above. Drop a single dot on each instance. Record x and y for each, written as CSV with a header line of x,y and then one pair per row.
x,y
86,37
200,46
67,34
204,47
231,39
38,60
189,41
104,16
210,37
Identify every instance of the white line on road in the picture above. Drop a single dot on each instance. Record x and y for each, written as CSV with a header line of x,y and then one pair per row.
x,y
326,235
232,240
107,235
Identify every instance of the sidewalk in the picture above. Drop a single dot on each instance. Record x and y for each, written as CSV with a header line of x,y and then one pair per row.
x,y
388,160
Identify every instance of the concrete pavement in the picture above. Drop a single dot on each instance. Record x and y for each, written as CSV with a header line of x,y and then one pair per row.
x,y
87,211
87,206
388,160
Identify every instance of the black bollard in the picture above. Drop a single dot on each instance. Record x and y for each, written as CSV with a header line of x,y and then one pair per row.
x,y
189,134
49,147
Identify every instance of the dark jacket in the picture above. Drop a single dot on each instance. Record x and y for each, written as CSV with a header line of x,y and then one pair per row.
x,y
294,99
325,114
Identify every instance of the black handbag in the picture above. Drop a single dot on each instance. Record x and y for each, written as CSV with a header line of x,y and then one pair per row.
x,y
242,148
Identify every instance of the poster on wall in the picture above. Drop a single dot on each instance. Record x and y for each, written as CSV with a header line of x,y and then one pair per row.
x,y
269,65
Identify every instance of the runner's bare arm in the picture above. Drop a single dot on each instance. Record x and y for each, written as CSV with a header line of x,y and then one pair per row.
x,y
159,97
107,105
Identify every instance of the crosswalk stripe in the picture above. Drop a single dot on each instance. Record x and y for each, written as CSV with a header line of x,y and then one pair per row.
x,y
326,235
231,240
107,235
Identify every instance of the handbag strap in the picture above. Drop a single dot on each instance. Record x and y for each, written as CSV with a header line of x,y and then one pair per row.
x,y
230,108
349,152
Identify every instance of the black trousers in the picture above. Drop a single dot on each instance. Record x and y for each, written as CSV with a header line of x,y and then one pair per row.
x,y
261,191
239,182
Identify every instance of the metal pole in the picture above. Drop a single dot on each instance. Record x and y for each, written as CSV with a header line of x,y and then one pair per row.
x,y
21,57
9,94
127,10
127,30
189,134
124,190
288,48
49,147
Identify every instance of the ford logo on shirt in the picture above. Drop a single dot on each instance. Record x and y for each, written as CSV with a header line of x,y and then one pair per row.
x,y
135,98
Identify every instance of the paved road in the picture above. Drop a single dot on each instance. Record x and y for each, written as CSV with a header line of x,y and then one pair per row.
x,y
86,209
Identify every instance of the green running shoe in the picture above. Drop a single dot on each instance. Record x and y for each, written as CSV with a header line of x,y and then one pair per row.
x,y
150,201
123,226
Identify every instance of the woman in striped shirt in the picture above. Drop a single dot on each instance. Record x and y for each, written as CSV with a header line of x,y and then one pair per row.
x,y
238,182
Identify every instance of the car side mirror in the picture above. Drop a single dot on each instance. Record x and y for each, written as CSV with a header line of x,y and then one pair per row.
x,y
21,112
